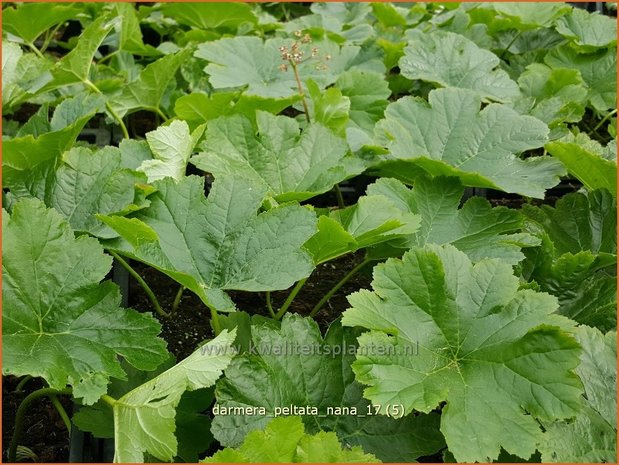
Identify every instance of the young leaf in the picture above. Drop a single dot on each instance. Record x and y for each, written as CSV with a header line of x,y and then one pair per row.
x,y
199,108
11,54
219,243
329,108
75,66
476,229
450,136
452,60
294,365
284,440
171,147
130,35
589,31
146,92
586,294
578,248
592,436
486,348
368,93
587,161
553,96
340,21
67,328
144,418
373,220
598,70
289,166
21,82
580,222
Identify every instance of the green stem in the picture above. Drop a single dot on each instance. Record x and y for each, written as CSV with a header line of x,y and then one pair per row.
x,y
606,118
108,57
34,48
109,400
142,283
177,300
160,112
20,416
109,108
62,412
48,38
215,321
269,304
290,298
510,44
337,287
22,383
301,93
339,196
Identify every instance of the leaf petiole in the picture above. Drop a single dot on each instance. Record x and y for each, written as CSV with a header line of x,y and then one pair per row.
x,y
290,298
109,108
335,288
142,283
21,415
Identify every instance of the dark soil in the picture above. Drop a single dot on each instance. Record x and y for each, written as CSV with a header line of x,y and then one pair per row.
x,y
44,431
191,324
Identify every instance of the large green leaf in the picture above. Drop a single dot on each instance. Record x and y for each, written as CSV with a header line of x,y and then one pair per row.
x,y
476,229
485,348
289,166
452,60
589,31
29,20
144,418
592,436
528,15
58,322
451,136
344,22
248,61
147,91
219,243
210,15
294,365
598,70
284,440
587,160
84,184
374,219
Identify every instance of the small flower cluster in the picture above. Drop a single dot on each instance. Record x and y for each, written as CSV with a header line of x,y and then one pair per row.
x,y
295,55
